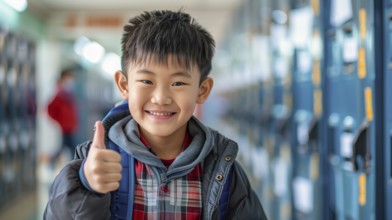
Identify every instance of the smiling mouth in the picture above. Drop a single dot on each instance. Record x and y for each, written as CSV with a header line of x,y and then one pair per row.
x,y
164,114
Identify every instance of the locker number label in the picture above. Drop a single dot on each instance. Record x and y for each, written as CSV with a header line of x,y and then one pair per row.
x,y
362,23
369,103
318,102
362,189
361,63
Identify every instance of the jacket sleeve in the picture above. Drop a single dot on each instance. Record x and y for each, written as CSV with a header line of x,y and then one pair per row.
x,y
69,199
244,203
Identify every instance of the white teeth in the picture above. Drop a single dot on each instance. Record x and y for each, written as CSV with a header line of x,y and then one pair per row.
x,y
161,113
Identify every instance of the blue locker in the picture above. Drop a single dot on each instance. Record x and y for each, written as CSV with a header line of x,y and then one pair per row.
x,y
28,118
307,110
388,110
305,148
383,58
280,113
17,117
2,164
3,66
265,143
349,85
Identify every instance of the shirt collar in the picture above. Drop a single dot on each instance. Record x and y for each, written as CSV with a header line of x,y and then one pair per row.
x,y
185,143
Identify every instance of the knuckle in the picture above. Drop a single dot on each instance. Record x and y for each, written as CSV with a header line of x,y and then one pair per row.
x,y
95,168
119,168
98,179
115,186
118,177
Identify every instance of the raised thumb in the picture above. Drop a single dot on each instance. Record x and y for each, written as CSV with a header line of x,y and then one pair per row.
x,y
99,136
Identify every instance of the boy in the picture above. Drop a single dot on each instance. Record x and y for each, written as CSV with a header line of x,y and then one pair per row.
x,y
150,158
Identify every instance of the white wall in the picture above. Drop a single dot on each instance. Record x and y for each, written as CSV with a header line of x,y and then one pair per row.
x,y
48,65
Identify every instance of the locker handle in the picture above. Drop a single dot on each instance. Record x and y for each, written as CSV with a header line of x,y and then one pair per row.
x,y
348,28
314,133
361,149
331,141
283,126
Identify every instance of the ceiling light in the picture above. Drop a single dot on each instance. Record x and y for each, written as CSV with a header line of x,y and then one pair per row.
x,y
19,5
93,52
111,63
279,16
79,44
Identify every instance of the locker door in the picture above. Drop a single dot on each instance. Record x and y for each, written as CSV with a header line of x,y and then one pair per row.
x,y
383,54
265,96
2,135
280,113
364,142
2,165
349,109
351,119
307,198
17,117
388,110
3,69
305,146
333,88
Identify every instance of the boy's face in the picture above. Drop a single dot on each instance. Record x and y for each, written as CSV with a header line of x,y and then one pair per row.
x,y
162,98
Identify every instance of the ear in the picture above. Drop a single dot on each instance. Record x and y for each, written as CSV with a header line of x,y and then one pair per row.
x,y
204,90
122,84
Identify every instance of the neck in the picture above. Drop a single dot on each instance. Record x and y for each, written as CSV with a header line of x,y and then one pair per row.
x,y
165,147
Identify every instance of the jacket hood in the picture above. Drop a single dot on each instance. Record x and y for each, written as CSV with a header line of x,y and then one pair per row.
x,y
123,130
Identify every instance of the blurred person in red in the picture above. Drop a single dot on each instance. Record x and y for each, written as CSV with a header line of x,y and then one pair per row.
x,y
63,110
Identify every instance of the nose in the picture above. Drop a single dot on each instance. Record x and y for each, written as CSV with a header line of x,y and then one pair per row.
x,y
161,97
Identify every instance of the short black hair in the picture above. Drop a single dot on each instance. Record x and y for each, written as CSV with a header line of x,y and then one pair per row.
x,y
155,35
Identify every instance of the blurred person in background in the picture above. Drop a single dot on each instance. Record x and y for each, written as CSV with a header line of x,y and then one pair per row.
x,y
63,110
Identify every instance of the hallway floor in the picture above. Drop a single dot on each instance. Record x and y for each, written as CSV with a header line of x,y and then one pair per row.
x,y
32,205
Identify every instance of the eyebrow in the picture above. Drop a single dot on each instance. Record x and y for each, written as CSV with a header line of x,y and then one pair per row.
x,y
179,73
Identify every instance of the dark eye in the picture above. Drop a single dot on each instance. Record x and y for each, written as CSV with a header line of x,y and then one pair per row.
x,y
178,84
146,82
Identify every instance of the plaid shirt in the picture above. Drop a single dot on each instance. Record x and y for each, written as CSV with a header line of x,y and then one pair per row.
x,y
177,199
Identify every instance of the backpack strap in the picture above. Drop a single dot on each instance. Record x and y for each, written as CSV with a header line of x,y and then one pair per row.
x,y
225,197
122,198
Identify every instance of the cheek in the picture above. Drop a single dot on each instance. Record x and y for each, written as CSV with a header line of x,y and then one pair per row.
x,y
188,104
189,98
135,102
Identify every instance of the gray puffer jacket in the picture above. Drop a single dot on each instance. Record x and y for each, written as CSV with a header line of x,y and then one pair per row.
x,y
69,199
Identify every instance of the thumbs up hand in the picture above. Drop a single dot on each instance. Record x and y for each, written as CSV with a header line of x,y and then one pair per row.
x,y
103,166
